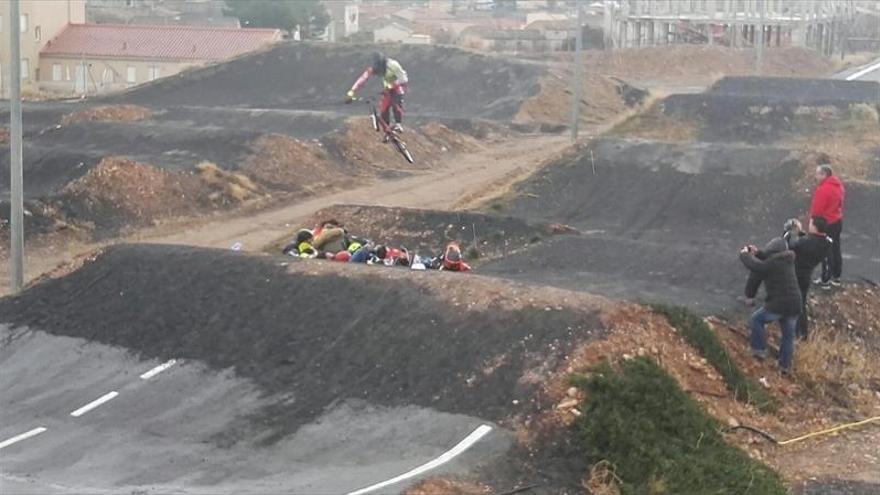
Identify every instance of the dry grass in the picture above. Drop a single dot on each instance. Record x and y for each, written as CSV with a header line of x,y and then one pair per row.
x,y
227,187
655,124
834,365
601,102
602,480
850,140
112,113
439,486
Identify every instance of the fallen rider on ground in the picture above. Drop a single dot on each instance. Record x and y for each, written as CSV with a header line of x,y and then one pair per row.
x,y
331,241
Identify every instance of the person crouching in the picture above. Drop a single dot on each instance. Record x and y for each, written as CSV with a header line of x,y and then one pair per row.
x,y
783,302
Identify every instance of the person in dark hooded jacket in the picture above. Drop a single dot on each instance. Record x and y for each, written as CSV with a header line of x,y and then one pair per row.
x,y
783,302
810,250
791,229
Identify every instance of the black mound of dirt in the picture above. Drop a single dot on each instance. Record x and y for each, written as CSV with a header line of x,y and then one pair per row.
x,y
798,91
443,81
426,232
309,335
47,168
664,221
759,110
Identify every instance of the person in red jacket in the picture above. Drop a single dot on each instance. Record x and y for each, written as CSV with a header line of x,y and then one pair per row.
x,y
452,259
828,203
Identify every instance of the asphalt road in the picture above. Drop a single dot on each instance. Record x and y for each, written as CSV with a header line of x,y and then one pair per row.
x,y
867,72
164,432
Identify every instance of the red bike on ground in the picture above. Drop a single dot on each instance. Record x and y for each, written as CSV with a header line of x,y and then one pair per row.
x,y
380,125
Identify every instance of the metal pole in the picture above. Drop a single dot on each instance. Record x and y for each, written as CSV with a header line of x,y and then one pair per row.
x,y
16,216
578,73
759,59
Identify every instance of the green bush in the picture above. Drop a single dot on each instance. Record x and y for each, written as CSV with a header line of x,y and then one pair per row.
x,y
659,439
699,335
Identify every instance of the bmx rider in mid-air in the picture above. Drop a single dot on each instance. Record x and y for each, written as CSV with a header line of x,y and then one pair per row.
x,y
394,81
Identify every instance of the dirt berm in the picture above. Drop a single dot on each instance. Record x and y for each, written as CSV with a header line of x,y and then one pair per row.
x,y
665,220
426,232
443,81
319,332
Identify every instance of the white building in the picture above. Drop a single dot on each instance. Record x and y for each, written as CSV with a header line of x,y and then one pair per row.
x,y
344,19
398,33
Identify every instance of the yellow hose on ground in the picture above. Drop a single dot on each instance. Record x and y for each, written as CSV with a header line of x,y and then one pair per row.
x,y
829,430
773,439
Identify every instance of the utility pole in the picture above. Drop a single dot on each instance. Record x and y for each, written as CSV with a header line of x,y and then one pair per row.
x,y
578,82
759,59
16,210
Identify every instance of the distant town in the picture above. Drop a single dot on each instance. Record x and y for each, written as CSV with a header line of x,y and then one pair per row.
x,y
82,47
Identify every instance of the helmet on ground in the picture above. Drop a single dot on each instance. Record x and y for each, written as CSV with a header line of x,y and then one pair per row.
x,y
792,224
380,63
381,252
453,252
344,256
303,235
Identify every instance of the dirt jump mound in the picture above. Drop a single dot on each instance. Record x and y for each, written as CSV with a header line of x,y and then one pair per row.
x,y
310,335
426,232
303,76
276,116
761,109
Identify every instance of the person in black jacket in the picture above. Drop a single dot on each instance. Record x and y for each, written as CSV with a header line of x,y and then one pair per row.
x,y
783,303
790,230
810,250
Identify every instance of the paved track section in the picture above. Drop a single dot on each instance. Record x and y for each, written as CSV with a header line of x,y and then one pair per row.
x,y
867,72
159,434
663,221
284,379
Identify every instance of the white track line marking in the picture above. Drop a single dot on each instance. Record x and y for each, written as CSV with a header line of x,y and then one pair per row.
x,y
158,369
862,72
23,436
95,403
447,456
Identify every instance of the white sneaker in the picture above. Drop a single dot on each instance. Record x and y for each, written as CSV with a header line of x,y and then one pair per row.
x,y
397,128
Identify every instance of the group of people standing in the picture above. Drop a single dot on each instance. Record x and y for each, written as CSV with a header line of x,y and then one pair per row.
x,y
786,264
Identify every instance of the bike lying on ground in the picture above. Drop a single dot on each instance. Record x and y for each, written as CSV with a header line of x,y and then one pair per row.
x,y
380,125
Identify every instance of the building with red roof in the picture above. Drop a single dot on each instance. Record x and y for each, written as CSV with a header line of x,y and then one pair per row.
x,y
93,58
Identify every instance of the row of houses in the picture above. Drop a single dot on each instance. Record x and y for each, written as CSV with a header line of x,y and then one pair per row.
x,y
489,34
544,26
61,52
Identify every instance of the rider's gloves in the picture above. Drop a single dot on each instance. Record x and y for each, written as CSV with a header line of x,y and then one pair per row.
x,y
349,96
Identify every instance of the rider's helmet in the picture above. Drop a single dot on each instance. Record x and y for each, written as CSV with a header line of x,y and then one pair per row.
x,y
453,253
381,252
303,235
380,63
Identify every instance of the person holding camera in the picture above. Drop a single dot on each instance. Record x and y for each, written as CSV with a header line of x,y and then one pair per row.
x,y
783,302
